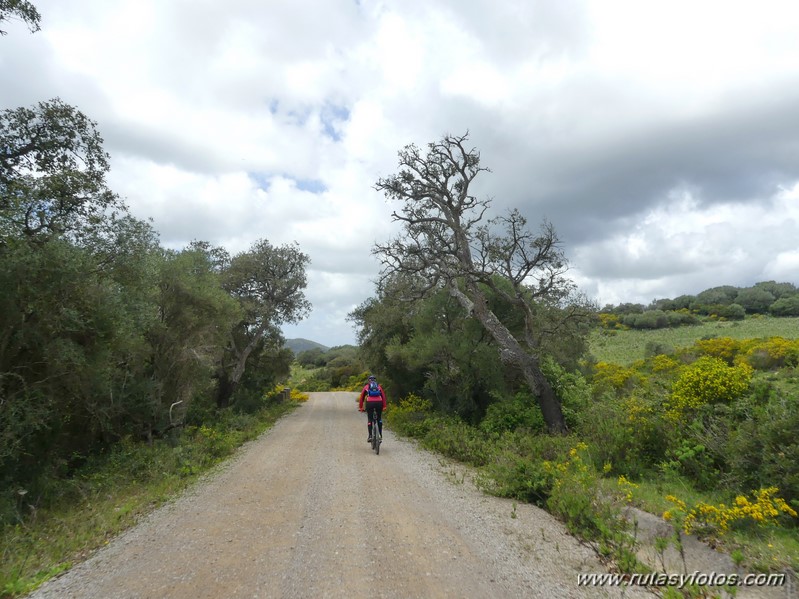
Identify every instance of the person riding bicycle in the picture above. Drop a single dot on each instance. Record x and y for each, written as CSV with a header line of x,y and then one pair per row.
x,y
375,399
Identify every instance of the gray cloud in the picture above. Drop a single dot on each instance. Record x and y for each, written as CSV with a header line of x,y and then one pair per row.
x,y
666,168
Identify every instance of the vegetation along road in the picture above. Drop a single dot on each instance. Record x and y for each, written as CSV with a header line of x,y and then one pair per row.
x,y
308,510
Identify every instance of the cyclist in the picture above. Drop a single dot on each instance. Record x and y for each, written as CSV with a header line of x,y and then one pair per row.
x,y
375,398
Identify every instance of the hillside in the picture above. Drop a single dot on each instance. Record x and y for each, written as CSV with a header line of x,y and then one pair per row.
x,y
626,346
300,345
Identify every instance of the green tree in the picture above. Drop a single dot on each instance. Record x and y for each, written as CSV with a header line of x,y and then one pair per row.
x,y
755,300
268,283
724,295
785,306
187,339
53,174
21,10
383,321
778,290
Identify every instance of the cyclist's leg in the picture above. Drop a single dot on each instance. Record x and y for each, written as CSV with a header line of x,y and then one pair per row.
x,y
379,418
369,419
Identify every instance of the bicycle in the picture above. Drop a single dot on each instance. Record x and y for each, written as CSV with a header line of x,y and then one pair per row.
x,y
377,438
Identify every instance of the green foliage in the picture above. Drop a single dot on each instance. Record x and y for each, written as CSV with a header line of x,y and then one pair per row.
x,y
762,447
518,468
755,300
412,417
520,412
785,306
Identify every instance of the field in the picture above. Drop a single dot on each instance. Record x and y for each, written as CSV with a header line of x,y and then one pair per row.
x,y
624,347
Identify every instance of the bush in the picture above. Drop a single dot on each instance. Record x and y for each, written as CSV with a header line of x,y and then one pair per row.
x,y
612,377
785,306
763,449
724,348
455,439
517,469
708,380
508,415
412,417
773,353
627,433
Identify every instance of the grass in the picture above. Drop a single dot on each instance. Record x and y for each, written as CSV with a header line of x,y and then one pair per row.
x,y
112,493
624,347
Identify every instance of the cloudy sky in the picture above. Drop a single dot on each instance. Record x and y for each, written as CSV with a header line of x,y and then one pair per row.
x,y
660,137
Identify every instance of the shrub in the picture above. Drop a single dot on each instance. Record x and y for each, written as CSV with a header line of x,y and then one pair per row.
x,y
625,432
773,353
511,414
708,380
657,348
607,377
413,416
455,439
517,470
764,447
724,348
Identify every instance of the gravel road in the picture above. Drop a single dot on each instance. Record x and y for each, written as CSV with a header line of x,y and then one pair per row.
x,y
329,518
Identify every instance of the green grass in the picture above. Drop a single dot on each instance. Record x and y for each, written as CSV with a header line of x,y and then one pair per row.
x,y
624,347
112,493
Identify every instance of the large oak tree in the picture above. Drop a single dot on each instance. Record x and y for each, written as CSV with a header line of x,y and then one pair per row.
x,y
447,242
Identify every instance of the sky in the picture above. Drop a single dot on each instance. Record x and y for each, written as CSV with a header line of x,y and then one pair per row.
x,y
660,138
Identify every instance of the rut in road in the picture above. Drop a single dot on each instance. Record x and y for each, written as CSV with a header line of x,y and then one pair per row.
x,y
293,515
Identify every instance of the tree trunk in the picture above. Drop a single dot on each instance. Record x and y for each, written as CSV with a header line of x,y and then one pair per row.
x,y
228,383
511,352
224,391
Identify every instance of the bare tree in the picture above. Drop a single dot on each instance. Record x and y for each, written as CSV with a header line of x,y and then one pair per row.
x,y
446,243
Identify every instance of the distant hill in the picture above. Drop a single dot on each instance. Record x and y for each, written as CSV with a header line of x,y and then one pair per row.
x,y
301,345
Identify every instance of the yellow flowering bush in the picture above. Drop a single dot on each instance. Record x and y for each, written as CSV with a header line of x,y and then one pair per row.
x,y
573,465
708,380
763,509
612,376
664,363
610,321
414,403
774,352
724,348
297,395
639,413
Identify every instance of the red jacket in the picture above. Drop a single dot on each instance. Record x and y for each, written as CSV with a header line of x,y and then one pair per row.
x,y
364,393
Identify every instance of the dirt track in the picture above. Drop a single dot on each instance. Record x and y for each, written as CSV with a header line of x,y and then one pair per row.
x,y
331,519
